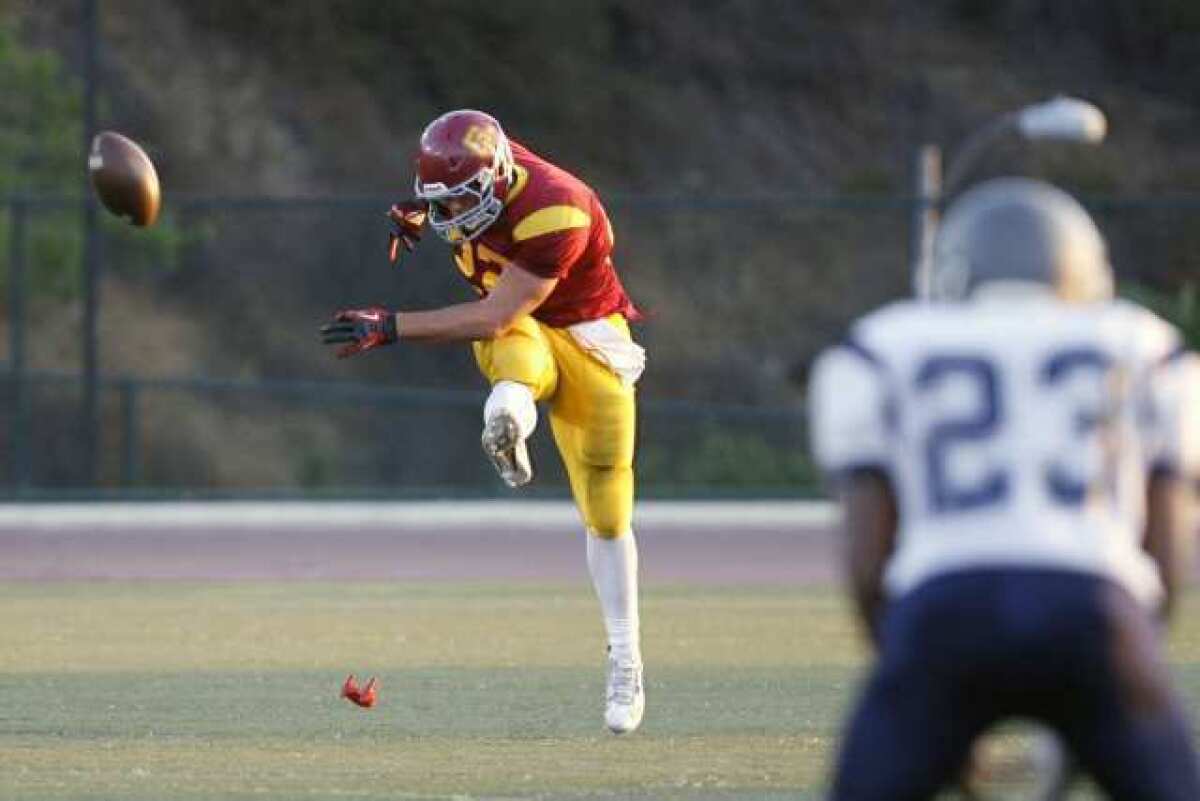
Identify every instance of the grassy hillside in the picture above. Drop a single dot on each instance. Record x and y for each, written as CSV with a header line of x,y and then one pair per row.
x,y
728,97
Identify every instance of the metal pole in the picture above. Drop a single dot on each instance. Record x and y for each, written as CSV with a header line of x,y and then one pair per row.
x,y
90,411
970,151
927,177
131,445
17,297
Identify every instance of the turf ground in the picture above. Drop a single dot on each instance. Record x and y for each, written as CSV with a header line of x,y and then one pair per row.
x,y
209,688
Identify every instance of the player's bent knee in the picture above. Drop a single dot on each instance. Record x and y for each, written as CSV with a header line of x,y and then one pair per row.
x,y
611,533
606,521
607,501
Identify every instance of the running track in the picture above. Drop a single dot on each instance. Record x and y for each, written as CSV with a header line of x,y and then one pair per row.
x,y
680,542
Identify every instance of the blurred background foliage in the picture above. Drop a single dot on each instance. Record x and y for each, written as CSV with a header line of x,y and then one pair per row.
x,y
41,135
755,156
1181,308
39,118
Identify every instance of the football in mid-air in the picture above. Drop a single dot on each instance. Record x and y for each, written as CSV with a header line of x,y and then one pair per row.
x,y
124,178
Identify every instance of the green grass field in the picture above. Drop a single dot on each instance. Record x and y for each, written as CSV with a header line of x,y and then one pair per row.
x,y
217,691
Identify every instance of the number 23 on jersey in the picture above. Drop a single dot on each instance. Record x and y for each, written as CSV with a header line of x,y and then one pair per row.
x,y
1072,453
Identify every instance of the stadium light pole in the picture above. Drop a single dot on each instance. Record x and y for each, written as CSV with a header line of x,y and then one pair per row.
x,y
1062,118
90,402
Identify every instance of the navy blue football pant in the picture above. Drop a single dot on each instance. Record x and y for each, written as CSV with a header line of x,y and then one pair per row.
x,y
966,650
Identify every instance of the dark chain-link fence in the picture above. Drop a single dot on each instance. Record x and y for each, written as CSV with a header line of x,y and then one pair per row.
x,y
213,380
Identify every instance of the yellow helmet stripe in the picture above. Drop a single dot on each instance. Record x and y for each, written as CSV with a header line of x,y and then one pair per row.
x,y
550,219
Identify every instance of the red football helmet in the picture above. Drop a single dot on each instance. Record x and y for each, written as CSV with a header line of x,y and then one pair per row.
x,y
464,168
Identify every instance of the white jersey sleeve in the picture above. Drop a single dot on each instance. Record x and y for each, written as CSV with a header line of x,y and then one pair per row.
x,y
1174,416
1188,455
848,407
1167,383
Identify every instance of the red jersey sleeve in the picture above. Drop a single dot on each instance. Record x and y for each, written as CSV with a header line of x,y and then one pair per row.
x,y
550,240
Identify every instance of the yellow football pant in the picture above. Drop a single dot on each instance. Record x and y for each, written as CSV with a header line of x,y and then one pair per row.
x,y
592,414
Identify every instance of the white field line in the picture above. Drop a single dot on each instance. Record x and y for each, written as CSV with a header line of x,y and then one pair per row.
x,y
426,515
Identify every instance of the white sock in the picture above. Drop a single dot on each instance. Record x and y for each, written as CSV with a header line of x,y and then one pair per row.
x,y
516,399
613,564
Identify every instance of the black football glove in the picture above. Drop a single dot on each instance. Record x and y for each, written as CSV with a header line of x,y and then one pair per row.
x,y
364,329
408,217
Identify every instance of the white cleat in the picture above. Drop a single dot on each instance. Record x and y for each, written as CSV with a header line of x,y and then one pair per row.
x,y
625,696
504,445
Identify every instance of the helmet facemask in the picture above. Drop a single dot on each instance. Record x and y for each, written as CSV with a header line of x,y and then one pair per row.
x,y
486,189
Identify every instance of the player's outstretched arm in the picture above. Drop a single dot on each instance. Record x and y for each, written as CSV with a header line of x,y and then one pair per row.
x,y
1168,537
1174,394
870,518
517,293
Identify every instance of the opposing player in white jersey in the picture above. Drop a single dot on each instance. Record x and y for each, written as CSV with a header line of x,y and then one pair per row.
x,y
1013,466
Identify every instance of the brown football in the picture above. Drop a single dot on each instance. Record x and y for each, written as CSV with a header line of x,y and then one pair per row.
x,y
124,178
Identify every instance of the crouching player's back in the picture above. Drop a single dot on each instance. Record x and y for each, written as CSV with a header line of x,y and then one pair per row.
x,y
1012,466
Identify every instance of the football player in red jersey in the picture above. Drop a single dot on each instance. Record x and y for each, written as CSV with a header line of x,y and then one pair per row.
x,y
551,325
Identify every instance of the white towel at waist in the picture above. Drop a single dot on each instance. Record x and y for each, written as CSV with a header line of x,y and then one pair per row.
x,y
609,345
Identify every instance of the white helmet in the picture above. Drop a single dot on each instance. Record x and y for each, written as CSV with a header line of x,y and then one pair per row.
x,y
1020,230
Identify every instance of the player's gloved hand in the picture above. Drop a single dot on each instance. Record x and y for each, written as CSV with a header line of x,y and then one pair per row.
x,y
408,217
362,328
